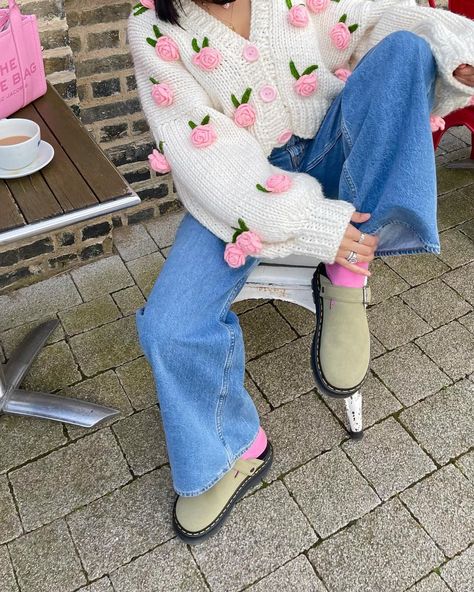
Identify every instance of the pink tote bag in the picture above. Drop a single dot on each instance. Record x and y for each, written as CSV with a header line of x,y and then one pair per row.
x,y
22,78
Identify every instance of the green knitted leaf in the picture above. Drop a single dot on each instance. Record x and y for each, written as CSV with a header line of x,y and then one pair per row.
x,y
261,188
140,10
343,18
235,101
192,125
335,0
205,42
235,235
310,69
157,32
195,45
153,80
293,70
160,147
352,28
246,95
206,120
289,4
137,6
151,41
242,224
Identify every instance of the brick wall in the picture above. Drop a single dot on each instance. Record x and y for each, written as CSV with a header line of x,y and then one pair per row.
x,y
87,59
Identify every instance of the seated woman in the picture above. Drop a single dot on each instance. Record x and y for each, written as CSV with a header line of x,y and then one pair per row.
x,y
287,129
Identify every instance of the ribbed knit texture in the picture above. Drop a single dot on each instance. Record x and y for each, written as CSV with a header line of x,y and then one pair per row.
x,y
217,184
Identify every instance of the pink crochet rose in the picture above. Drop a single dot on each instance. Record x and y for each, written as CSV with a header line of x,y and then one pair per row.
x,y
244,115
268,93
162,94
317,5
284,136
437,123
340,35
306,84
158,162
148,4
167,49
249,243
207,59
342,73
203,136
233,255
278,183
298,16
251,53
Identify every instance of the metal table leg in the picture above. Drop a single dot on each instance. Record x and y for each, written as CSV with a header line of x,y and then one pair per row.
x,y
15,401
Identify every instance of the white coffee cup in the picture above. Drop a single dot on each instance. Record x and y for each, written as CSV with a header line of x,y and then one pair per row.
x,y
21,153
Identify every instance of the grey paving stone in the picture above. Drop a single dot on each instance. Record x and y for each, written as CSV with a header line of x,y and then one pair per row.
x,y
24,438
459,572
331,492
145,271
436,302
454,209
133,241
468,227
284,374
102,585
12,338
37,301
384,282
163,229
142,440
468,321
137,380
466,464
124,524
260,402
377,403
129,300
107,346
449,179
264,531
10,526
68,478
461,280
101,277
444,504
443,422
299,431
264,329
104,389
90,315
244,305
456,248
7,577
385,550
389,458
54,368
410,374
297,574
301,319
433,583
394,323
417,269
168,568
452,141
376,348
450,347
45,560
454,155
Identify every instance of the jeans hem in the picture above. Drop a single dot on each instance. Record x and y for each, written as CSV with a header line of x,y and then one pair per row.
x,y
221,473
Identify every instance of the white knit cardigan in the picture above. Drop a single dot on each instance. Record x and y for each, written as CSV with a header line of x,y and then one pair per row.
x,y
222,182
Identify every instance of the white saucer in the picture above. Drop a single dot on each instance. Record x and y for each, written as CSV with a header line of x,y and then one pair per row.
x,y
45,155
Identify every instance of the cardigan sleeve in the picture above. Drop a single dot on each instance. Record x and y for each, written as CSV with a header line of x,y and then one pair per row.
x,y
450,36
216,176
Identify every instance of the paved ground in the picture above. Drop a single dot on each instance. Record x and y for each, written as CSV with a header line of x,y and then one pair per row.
x,y
90,510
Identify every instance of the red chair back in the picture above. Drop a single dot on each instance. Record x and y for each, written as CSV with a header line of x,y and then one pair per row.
x,y
464,7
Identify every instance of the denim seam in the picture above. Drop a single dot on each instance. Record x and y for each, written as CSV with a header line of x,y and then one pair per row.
x,y
431,248
329,146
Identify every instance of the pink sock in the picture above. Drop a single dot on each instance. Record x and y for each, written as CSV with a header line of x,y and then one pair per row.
x,y
340,276
258,446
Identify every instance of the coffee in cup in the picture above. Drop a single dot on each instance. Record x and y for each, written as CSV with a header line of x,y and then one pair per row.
x,y
19,143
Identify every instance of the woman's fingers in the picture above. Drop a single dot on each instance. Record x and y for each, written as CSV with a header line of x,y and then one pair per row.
x,y
352,267
358,217
359,248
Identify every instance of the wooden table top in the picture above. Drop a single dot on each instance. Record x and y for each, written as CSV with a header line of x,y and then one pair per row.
x,y
79,177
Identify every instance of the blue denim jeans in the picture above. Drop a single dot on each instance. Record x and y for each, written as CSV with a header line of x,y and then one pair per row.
x,y
374,149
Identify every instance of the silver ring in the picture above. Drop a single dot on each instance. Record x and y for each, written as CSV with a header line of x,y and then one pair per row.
x,y
352,257
361,238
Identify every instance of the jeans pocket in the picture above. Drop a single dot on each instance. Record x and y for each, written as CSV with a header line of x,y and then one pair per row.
x,y
281,158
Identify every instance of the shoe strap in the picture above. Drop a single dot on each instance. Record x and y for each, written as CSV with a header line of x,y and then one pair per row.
x,y
247,466
342,294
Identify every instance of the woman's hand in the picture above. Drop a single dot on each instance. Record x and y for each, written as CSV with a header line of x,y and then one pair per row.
x,y
365,250
465,74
